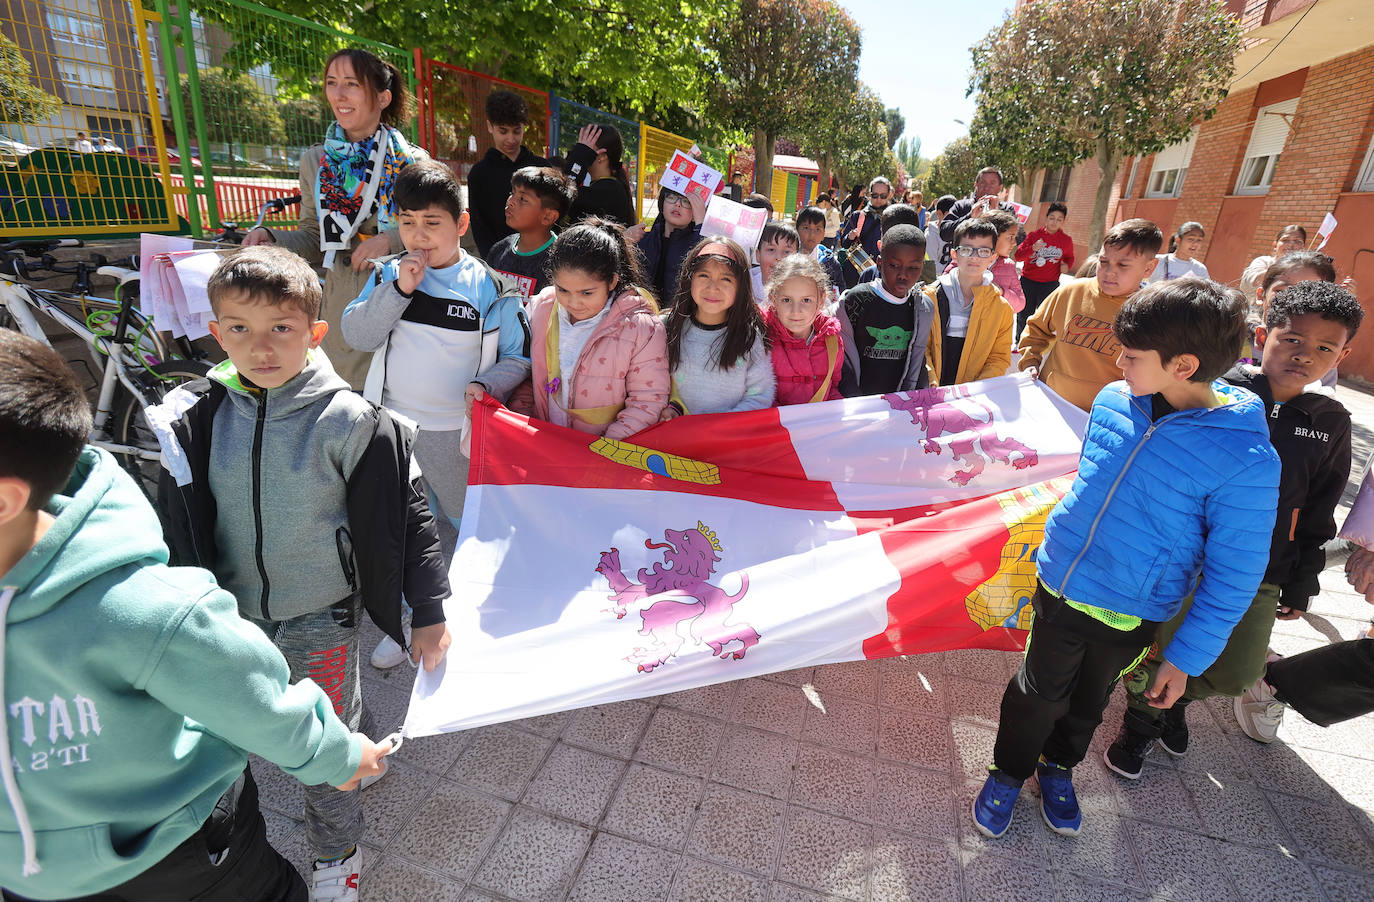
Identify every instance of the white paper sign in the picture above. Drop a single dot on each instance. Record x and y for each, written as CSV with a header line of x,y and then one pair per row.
x,y
727,219
690,177
1023,213
1327,227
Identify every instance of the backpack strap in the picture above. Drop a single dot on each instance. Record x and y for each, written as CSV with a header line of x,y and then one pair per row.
x,y
832,353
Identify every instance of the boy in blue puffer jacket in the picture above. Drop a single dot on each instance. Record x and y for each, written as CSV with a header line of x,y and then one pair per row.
x,y
1176,492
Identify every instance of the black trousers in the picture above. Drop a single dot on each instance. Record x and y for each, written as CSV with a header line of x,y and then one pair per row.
x,y
1329,684
1055,701
227,860
1035,292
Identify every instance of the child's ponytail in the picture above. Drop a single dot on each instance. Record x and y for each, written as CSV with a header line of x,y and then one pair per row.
x,y
599,248
614,145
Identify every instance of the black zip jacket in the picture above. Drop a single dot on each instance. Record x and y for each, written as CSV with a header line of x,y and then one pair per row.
x,y
488,188
1311,434
390,547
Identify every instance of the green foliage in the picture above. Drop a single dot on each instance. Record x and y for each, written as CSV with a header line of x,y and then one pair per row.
x,y
895,123
304,120
1066,80
953,171
640,58
20,100
908,152
847,133
778,63
236,108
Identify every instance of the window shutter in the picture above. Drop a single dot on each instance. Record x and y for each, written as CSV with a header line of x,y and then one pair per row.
x,y
1271,130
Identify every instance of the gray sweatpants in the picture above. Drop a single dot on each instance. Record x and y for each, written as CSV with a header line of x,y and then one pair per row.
x,y
323,646
446,474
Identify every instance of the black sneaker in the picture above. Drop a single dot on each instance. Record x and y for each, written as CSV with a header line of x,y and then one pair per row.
x,y
1126,756
1173,737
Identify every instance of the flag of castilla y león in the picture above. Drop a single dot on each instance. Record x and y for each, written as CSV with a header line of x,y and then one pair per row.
x,y
718,547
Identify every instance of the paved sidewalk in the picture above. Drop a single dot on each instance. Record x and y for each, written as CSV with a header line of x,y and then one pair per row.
x,y
853,781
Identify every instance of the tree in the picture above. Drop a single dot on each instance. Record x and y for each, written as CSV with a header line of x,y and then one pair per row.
x,y
953,171
908,151
236,109
635,57
895,123
20,100
304,120
1102,80
778,63
847,134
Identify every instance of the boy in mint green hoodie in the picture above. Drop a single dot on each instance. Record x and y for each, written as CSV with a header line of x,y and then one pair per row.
x,y
133,690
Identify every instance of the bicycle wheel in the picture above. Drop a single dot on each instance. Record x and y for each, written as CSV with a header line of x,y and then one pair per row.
x,y
131,428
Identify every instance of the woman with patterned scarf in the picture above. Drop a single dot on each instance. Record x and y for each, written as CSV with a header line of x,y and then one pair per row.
x,y
347,214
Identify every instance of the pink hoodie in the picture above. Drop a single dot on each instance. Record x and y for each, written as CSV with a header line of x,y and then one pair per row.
x,y
624,363
800,365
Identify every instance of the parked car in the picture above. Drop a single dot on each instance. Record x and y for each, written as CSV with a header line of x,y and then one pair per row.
x,y
98,144
227,160
11,150
147,153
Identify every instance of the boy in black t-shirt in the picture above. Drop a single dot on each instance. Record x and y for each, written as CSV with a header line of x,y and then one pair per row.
x,y
489,181
886,324
539,197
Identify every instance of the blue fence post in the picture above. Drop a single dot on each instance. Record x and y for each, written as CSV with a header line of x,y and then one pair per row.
x,y
555,105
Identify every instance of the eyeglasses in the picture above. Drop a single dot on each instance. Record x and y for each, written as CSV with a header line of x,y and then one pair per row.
x,y
876,196
676,200
982,253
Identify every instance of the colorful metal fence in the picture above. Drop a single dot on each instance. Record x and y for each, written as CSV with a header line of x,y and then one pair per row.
x,y
118,119
243,85
453,117
568,119
79,123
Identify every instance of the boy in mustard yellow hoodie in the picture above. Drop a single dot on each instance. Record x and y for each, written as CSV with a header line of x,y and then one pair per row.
x,y
971,337
1070,337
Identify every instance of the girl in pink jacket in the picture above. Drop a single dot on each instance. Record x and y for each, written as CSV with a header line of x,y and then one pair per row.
x,y
806,349
599,356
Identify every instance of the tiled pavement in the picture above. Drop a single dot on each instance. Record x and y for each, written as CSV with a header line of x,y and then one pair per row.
x,y
853,781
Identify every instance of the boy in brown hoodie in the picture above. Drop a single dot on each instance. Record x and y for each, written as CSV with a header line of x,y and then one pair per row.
x,y
1070,337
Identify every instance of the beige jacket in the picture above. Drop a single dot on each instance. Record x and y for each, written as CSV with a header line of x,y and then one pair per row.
x,y
341,283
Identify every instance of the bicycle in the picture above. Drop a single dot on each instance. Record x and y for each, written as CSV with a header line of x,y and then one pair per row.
x,y
137,367
229,232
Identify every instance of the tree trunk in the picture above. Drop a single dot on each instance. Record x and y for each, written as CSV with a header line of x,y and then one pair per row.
x,y
823,174
1108,160
1027,185
763,162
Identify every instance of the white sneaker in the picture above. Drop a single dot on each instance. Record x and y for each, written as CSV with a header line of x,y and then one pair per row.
x,y
388,654
371,779
337,882
1258,712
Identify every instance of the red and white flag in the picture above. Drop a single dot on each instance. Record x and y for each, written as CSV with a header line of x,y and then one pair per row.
x,y
713,548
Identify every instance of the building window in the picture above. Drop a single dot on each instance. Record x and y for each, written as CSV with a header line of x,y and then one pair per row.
x,y
1170,168
120,131
1130,181
74,28
1365,180
88,84
1267,138
1056,186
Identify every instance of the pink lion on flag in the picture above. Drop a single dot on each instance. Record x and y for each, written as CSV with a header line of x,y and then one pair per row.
x,y
972,441
682,577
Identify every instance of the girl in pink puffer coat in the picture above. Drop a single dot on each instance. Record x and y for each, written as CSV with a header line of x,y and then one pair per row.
x,y
599,355
807,351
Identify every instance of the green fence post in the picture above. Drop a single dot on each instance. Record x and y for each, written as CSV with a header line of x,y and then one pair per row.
x,y
173,76
198,114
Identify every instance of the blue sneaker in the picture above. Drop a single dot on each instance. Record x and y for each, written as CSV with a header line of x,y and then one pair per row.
x,y
993,805
1058,803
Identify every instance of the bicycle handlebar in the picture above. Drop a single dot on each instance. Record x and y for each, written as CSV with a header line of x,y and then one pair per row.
x,y
37,247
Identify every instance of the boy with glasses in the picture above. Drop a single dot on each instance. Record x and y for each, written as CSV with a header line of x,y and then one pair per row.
x,y
971,336
1070,337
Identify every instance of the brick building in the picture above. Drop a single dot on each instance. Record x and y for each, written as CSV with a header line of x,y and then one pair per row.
x,y
1292,141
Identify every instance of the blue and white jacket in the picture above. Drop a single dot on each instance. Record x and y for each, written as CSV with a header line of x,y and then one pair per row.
x,y
463,323
1157,503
